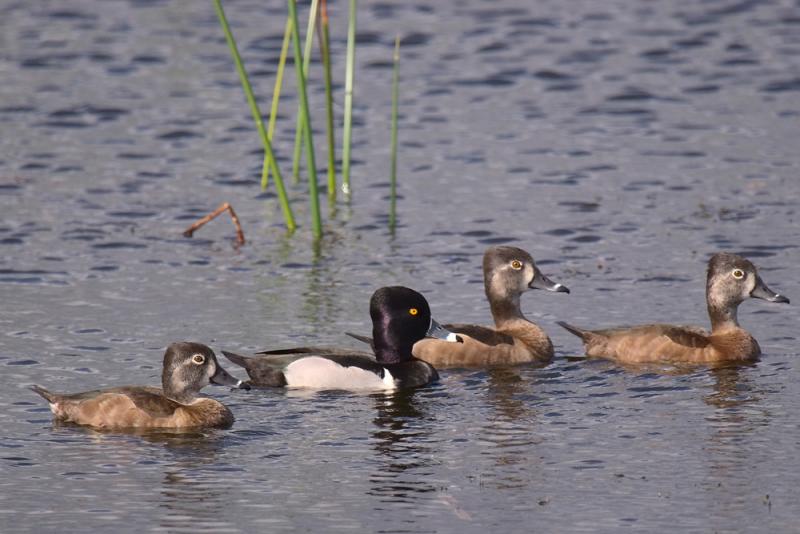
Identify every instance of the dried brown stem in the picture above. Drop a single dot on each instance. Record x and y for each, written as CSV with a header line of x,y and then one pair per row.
x,y
222,208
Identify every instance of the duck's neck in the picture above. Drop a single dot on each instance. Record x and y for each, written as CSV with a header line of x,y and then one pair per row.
x,y
723,316
175,390
505,308
389,349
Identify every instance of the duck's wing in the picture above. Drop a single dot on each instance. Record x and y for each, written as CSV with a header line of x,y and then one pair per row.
x,y
299,352
687,336
148,399
484,334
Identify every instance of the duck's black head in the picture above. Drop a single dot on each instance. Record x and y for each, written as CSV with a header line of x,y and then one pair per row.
x,y
188,368
400,318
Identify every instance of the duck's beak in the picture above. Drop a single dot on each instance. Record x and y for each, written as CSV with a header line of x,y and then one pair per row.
x,y
223,378
540,281
761,291
439,332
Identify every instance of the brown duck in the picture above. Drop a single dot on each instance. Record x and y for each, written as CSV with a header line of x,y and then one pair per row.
x,y
188,367
731,279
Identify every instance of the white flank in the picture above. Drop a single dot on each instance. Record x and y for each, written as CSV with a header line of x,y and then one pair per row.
x,y
321,373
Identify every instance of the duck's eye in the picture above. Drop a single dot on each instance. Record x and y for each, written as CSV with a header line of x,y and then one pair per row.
x,y
199,359
738,274
516,265
413,311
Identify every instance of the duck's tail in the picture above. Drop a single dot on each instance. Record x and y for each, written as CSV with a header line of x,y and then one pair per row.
x,y
583,334
50,397
363,339
239,360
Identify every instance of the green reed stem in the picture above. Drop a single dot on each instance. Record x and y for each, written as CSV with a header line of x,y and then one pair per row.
x,y
348,97
251,100
395,98
276,96
298,132
325,48
306,125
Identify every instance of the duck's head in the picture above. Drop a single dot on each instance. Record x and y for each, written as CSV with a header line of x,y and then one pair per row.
x,y
400,318
510,271
731,279
188,368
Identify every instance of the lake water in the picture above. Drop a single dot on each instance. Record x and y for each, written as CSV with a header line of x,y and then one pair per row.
x,y
621,143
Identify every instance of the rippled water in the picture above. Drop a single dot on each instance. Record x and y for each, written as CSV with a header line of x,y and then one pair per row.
x,y
620,142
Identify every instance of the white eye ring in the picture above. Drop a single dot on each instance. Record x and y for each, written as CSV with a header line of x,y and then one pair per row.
x,y
516,265
198,359
738,274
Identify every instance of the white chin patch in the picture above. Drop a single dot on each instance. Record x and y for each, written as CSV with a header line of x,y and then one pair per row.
x,y
451,337
557,287
321,373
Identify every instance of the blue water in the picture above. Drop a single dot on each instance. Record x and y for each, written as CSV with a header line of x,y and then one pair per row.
x,y
621,143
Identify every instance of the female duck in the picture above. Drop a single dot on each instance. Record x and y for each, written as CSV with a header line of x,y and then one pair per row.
x,y
507,273
400,317
731,279
188,367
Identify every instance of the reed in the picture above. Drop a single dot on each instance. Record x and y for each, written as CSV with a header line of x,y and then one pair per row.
x,y
325,50
348,97
306,123
251,100
298,135
276,96
393,158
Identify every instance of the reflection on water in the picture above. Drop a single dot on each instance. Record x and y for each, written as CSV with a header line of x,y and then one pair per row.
x,y
510,432
401,442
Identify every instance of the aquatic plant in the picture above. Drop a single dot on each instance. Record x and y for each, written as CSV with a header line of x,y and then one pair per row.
x,y
348,97
306,124
393,159
298,137
325,50
251,100
276,96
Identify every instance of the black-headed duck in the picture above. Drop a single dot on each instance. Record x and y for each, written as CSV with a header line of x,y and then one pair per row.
x,y
188,368
507,273
731,279
400,317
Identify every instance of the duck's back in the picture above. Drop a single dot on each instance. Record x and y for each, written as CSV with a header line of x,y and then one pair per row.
x,y
515,343
670,343
138,407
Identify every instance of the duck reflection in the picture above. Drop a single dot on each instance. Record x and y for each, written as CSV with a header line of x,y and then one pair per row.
x,y
402,438
510,433
193,490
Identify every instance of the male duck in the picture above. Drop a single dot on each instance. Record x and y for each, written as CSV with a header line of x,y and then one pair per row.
x,y
188,367
731,279
400,317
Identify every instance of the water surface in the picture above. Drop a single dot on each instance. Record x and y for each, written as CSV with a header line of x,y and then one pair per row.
x,y
621,143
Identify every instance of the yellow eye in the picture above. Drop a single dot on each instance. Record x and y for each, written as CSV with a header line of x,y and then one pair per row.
x,y
738,274
413,311
516,265
199,359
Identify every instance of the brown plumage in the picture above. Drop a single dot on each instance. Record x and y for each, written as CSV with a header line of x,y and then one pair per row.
x,y
731,279
507,273
188,367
